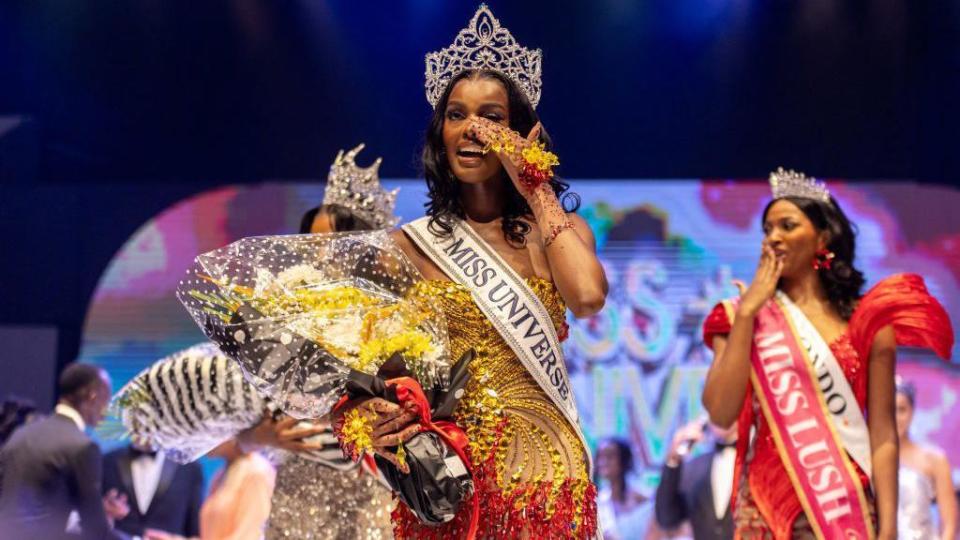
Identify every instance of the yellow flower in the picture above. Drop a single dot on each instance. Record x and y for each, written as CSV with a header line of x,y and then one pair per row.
x,y
412,344
542,159
357,432
305,300
401,454
337,298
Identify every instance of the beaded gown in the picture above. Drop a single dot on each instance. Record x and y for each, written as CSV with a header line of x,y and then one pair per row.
x,y
312,502
765,503
531,470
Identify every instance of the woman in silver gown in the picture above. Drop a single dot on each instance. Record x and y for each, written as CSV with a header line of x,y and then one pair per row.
x,y
328,496
324,497
925,480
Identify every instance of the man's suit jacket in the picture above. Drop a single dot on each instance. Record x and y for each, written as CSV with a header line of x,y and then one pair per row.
x,y
685,492
175,506
51,468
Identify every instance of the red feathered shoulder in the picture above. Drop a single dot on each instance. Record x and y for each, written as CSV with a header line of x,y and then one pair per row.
x,y
903,302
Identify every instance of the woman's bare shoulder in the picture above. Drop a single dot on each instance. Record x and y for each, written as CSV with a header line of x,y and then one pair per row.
x,y
416,255
401,239
407,246
932,454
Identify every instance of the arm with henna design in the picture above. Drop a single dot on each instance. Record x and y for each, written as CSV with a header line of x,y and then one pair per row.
x,y
566,239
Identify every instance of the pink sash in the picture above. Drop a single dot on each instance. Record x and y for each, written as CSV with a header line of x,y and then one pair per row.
x,y
795,409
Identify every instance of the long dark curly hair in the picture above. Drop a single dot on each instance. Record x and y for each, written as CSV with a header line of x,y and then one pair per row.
x,y
843,282
443,188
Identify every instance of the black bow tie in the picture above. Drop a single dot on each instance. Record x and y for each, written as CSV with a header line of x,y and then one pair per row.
x,y
721,445
137,452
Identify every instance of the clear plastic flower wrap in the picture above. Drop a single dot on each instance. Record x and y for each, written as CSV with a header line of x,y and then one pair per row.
x,y
299,312
187,403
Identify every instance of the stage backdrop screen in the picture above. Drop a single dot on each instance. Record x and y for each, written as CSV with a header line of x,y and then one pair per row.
x,y
670,249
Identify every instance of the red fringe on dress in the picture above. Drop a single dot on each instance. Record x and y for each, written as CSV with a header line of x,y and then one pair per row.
x,y
531,508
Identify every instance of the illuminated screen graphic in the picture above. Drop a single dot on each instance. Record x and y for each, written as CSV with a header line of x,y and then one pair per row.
x,y
670,249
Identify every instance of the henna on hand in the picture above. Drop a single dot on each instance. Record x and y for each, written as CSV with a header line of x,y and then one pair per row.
x,y
528,163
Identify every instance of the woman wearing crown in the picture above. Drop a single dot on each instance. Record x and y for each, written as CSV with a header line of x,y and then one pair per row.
x,y
806,363
327,496
504,259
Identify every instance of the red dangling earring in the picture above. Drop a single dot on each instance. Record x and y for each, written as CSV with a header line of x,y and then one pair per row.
x,y
823,259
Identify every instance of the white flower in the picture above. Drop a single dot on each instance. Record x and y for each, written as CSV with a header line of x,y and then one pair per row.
x,y
390,326
343,333
264,282
433,356
300,274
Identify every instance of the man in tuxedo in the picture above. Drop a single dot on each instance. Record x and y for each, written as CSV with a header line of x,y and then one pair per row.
x,y
52,469
698,489
164,495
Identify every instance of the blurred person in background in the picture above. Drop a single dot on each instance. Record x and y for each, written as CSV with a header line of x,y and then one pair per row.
x,y
622,512
52,469
925,479
698,490
238,505
164,495
14,413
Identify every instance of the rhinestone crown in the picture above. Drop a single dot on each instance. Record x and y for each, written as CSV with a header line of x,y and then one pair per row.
x,y
484,44
791,183
358,190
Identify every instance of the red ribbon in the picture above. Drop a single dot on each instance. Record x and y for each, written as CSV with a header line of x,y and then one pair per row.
x,y
409,392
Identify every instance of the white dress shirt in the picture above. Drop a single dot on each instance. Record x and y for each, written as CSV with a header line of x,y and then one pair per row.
x,y
71,413
146,470
721,479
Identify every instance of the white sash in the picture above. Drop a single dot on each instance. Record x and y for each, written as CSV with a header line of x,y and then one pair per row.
x,y
513,309
842,404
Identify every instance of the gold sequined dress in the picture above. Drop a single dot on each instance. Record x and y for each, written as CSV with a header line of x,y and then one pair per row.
x,y
312,501
530,467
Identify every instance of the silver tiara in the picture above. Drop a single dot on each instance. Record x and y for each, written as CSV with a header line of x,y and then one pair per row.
x,y
484,44
359,190
796,184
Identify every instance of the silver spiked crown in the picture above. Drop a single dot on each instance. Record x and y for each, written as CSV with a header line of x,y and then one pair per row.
x,y
484,44
791,183
358,190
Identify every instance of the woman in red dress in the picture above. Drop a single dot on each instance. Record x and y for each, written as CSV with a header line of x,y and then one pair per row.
x,y
807,271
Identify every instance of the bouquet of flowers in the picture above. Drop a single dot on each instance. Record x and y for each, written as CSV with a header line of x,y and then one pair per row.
x,y
314,321
187,403
191,401
299,313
